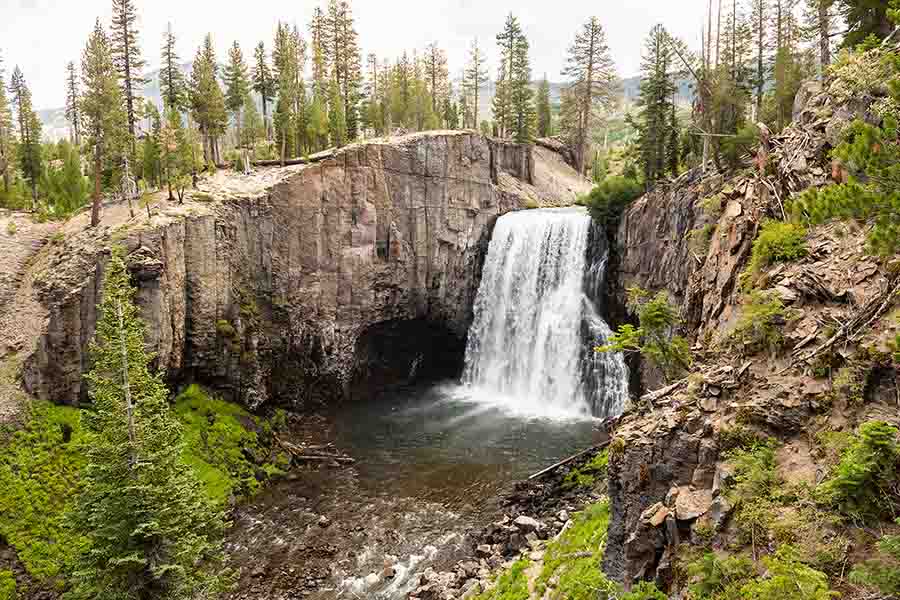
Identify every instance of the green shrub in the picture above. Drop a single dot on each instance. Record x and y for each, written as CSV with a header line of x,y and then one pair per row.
x,y
850,381
777,242
7,585
587,476
788,579
11,228
735,147
575,557
864,484
699,239
759,326
608,200
40,477
719,578
752,490
644,590
738,436
655,338
713,206
883,571
511,585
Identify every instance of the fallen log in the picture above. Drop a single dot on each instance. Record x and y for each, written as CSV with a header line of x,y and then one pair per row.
x,y
566,461
324,457
300,454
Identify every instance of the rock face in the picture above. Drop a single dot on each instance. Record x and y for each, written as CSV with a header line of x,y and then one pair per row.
x,y
295,286
693,237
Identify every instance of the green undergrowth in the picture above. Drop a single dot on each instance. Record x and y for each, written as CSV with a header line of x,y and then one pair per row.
x,y
780,576
231,450
572,568
40,466
777,241
578,551
511,585
41,462
7,585
759,326
587,475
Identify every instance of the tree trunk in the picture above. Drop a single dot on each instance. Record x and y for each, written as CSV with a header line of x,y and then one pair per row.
x,y
824,40
129,407
95,205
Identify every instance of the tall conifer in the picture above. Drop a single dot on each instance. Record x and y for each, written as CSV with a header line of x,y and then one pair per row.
x,y
151,531
127,57
73,98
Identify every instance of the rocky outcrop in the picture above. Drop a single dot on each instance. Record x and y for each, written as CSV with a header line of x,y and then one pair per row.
x,y
693,237
291,284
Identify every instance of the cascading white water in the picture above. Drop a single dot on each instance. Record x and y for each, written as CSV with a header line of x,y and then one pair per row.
x,y
529,344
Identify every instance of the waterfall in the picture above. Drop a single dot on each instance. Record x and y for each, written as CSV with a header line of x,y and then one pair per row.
x,y
531,341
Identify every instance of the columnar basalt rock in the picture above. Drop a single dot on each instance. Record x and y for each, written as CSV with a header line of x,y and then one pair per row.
x,y
262,286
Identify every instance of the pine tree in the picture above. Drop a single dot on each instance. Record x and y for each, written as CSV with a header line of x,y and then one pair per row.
x,y
436,73
284,60
501,105
73,97
66,189
177,157
352,71
656,89
865,18
6,133
522,96
127,58
101,108
207,100
152,149
337,123
759,16
673,151
544,116
29,133
301,102
151,531
253,129
318,54
340,46
508,41
263,82
171,80
819,29
592,77
476,76
237,85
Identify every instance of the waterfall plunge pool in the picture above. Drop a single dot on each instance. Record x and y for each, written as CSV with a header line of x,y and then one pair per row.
x,y
434,459
454,444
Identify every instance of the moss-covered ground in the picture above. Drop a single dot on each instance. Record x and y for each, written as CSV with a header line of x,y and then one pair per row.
x,y
41,458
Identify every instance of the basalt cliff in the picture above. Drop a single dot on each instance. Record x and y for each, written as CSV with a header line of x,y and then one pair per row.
x,y
291,285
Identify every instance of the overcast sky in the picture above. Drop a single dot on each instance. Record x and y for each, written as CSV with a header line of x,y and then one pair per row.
x,y
41,36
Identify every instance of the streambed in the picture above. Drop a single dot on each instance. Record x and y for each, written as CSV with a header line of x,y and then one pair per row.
x,y
432,462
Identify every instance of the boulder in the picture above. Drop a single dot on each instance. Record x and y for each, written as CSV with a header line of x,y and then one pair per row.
x,y
690,504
